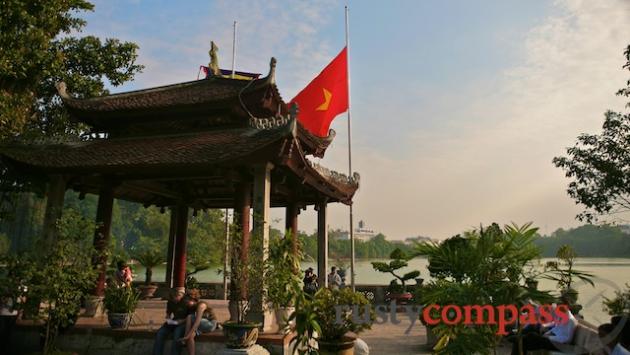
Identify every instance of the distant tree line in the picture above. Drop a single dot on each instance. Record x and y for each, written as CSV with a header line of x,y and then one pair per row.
x,y
588,241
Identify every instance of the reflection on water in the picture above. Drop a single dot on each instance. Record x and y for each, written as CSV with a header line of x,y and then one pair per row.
x,y
610,274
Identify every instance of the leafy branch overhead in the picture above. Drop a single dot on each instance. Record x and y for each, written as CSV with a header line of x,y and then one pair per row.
x,y
599,164
39,47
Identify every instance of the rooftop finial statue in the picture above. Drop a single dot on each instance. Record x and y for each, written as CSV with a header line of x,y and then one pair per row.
x,y
214,59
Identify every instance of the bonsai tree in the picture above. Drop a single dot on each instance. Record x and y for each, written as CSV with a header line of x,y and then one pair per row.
x,y
399,260
149,253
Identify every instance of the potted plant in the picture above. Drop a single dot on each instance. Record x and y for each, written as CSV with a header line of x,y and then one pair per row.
x,y
397,291
246,292
282,271
562,272
149,253
327,318
120,303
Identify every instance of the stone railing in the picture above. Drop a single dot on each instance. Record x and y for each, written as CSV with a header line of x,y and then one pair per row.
x,y
214,290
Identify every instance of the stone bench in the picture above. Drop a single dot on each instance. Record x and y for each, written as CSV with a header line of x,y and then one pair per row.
x,y
585,341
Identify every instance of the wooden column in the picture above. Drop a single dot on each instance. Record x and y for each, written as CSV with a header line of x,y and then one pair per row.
x,y
170,254
55,192
242,206
262,220
102,235
322,244
179,265
291,224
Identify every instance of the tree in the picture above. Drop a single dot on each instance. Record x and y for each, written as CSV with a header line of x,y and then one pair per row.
x,y
399,261
599,164
38,50
149,253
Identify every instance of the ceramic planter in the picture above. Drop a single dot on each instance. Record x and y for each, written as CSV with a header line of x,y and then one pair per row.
x,y
282,315
240,335
119,320
147,291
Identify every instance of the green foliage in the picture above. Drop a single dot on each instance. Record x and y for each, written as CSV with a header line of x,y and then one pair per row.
x,y
318,314
598,164
58,276
149,253
121,299
399,261
327,302
39,49
620,304
562,271
305,318
205,243
246,279
487,266
5,244
378,247
281,274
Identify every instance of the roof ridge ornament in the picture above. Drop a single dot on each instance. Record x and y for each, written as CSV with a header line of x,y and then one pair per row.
x,y
271,77
214,59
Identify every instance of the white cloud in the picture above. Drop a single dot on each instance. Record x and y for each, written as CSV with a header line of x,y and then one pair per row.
x,y
492,160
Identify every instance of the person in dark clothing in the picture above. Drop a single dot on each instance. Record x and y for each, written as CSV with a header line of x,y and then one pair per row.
x,y
310,281
176,313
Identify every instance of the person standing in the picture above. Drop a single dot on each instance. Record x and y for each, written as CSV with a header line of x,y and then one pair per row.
x,y
334,280
310,281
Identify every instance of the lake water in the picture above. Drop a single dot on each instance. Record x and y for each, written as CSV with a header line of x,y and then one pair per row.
x,y
610,274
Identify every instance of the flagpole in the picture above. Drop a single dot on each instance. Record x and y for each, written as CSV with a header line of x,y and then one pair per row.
x,y
234,50
350,155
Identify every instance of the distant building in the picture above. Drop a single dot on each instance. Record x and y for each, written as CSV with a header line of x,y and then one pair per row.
x,y
362,232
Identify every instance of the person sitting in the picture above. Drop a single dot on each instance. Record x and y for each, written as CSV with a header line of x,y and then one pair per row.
x,y
201,320
176,313
310,281
558,333
123,274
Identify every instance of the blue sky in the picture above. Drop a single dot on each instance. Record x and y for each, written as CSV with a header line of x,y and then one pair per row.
x,y
458,106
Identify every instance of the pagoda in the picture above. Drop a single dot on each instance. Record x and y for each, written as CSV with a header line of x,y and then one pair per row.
x,y
213,143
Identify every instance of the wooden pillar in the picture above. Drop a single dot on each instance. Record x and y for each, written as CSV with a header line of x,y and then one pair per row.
x,y
291,224
242,206
102,235
262,221
170,254
179,265
55,192
322,244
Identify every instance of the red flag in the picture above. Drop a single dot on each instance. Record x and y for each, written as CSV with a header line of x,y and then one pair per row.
x,y
325,97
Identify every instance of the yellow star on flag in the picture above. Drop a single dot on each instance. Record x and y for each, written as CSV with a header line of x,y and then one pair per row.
x,y
326,103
